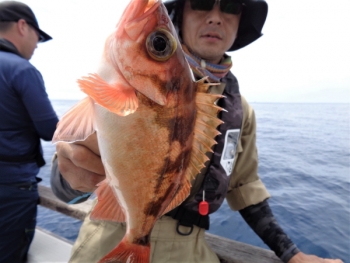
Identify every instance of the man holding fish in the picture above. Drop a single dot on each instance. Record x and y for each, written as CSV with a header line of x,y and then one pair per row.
x,y
144,137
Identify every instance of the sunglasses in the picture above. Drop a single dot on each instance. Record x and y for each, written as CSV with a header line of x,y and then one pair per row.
x,y
38,33
233,7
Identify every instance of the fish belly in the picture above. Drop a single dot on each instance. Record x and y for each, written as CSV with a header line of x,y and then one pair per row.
x,y
135,152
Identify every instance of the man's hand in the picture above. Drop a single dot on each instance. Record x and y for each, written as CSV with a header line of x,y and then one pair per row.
x,y
80,163
304,258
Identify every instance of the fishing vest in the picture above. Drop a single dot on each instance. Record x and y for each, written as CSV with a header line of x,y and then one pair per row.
x,y
213,181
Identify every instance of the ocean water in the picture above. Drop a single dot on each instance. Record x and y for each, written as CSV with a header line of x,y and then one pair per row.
x,y
304,161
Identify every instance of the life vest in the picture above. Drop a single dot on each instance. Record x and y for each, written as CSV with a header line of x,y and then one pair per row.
x,y
213,180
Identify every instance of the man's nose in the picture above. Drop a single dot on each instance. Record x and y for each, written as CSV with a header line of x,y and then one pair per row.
x,y
215,15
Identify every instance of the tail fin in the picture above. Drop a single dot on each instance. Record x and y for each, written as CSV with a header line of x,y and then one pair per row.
x,y
127,252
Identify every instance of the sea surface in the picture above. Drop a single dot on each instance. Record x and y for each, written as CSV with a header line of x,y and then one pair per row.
x,y
304,161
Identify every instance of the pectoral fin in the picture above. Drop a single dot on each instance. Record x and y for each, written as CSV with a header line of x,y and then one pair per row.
x,y
116,98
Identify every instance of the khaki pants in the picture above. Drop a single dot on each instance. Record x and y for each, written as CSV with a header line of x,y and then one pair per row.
x,y
96,239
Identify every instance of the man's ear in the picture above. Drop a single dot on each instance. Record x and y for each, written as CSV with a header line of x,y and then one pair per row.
x,y
22,27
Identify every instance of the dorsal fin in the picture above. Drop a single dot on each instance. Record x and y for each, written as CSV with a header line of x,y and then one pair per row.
x,y
205,127
204,133
180,196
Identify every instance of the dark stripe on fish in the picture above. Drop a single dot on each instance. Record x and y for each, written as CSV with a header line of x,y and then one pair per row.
x,y
183,128
153,207
142,241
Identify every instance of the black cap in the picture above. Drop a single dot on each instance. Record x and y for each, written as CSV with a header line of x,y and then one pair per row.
x,y
12,11
250,26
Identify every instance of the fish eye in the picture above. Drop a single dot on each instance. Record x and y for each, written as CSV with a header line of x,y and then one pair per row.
x,y
160,44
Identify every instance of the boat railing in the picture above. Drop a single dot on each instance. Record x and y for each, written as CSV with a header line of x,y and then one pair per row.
x,y
229,251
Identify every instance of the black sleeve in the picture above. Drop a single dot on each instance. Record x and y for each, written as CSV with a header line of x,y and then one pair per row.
x,y
61,188
260,218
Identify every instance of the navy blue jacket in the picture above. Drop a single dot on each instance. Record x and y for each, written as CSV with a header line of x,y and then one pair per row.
x,y
26,116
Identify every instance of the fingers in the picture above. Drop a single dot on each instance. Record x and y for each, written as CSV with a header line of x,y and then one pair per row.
x,y
77,177
304,258
80,164
328,260
83,154
91,143
80,156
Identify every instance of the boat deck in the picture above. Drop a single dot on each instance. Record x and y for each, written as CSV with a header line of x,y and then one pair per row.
x,y
49,248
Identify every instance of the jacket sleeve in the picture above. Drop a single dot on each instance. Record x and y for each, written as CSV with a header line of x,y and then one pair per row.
x,y
61,188
46,129
245,186
261,219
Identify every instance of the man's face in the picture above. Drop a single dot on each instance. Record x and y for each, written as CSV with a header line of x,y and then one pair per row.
x,y
31,39
209,34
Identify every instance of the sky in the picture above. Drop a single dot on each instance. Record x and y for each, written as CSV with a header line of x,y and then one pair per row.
x,y
303,56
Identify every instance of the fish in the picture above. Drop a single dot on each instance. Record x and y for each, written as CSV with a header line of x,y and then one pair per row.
x,y
154,124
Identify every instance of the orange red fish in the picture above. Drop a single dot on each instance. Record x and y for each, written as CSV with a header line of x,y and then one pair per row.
x,y
154,125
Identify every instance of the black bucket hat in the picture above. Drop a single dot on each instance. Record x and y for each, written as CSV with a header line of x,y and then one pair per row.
x,y
252,20
12,11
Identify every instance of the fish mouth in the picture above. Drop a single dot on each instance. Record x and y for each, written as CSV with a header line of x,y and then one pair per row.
x,y
147,7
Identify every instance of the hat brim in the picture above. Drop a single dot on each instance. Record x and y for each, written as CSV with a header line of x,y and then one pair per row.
x,y
252,21
43,36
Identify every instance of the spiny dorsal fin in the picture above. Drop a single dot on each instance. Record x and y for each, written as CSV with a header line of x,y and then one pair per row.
x,y
204,134
203,86
180,196
205,127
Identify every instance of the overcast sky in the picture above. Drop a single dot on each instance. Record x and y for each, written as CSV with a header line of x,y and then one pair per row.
x,y
303,56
